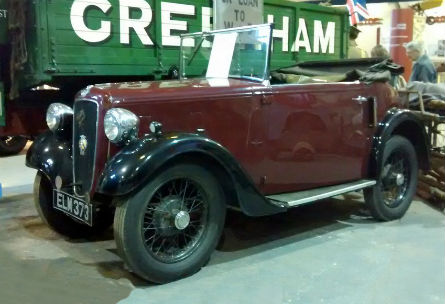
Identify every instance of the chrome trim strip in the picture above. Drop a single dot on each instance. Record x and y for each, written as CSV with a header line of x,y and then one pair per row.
x,y
321,195
241,28
95,146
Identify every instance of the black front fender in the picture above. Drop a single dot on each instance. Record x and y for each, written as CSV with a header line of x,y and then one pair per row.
x,y
51,155
405,123
135,165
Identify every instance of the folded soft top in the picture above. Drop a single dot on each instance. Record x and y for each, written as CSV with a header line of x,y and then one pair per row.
x,y
338,71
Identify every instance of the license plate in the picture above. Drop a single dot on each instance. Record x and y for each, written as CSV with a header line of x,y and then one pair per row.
x,y
73,206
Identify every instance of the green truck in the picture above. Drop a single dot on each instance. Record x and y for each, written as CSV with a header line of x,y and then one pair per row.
x,y
50,49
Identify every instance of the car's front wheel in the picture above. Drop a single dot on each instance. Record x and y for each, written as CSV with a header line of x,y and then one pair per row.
x,y
61,223
396,184
169,229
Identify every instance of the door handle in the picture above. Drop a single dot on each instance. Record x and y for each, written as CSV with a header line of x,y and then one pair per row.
x,y
360,99
256,142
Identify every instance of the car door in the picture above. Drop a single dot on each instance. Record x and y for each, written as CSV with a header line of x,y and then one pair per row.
x,y
256,144
317,135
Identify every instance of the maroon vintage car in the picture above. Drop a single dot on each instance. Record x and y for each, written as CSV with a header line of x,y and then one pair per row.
x,y
163,160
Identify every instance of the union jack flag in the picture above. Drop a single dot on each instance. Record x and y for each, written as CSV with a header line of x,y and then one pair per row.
x,y
357,11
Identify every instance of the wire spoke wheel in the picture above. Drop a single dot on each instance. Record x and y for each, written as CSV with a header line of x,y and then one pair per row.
x,y
170,227
175,220
396,184
395,179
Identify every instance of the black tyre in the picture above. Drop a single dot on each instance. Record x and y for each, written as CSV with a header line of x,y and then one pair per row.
x,y
61,223
10,145
169,229
391,197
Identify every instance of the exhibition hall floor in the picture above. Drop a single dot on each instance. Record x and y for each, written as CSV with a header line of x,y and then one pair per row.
x,y
330,252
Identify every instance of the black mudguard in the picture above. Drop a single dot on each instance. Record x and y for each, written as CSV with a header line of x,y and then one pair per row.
x,y
133,167
52,155
399,122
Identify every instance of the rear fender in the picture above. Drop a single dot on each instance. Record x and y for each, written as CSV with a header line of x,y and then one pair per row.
x,y
134,166
405,123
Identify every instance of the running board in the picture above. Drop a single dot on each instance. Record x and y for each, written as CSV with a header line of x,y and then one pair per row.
x,y
293,199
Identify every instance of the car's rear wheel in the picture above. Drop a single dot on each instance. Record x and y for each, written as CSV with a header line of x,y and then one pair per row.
x,y
10,145
61,223
391,197
169,229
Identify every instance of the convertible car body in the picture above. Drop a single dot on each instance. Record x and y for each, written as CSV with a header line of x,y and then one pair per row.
x,y
166,158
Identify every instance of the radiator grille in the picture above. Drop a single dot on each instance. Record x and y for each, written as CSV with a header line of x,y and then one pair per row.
x,y
84,145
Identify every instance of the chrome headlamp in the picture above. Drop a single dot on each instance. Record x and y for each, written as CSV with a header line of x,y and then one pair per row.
x,y
120,125
57,116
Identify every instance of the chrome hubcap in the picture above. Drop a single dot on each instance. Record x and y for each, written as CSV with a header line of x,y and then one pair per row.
x,y
400,179
182,220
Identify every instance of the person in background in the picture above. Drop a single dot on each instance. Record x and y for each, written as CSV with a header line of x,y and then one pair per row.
x,y
380,52
423,68
354,51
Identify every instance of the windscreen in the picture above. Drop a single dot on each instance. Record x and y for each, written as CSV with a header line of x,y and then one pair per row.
x,y
237,53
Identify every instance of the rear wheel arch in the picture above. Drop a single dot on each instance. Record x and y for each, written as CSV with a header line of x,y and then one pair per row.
x,y
399,122
410,130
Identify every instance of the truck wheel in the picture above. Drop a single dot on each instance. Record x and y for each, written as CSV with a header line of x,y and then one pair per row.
x,y
391,197
10,145
58,221
169,229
